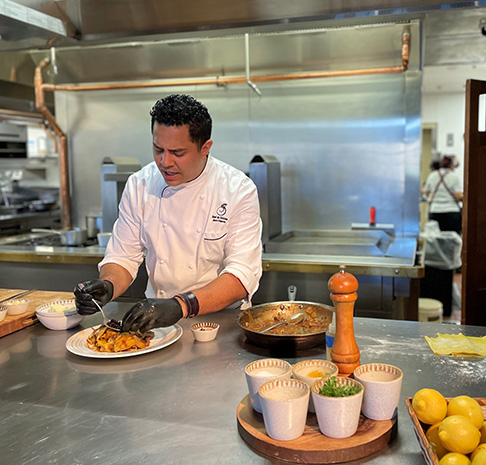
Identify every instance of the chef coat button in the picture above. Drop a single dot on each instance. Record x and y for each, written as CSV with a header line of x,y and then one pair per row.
x,y
164,225
198,230
161,261
201,197
191,267
162,292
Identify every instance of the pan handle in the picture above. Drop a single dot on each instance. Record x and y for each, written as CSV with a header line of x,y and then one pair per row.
x,y
41,230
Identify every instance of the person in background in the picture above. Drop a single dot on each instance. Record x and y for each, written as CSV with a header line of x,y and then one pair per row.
x,y
194,219
444,191
434,165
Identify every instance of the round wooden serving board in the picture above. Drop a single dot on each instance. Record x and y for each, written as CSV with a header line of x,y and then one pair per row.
x,y
313,446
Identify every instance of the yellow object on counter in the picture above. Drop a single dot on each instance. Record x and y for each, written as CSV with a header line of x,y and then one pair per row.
x,y
457,344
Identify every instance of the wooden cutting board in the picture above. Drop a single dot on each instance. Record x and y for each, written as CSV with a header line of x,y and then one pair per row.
x,y
313,446
15,322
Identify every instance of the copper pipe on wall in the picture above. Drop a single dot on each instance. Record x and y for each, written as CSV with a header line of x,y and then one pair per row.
x,y
224,80
41,87
51,134
243,79
63,160
405,47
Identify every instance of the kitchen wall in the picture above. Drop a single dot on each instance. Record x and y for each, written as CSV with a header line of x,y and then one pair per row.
x,y
448,111
344,144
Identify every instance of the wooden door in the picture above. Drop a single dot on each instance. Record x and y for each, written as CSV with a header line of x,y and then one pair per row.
x,y
474,210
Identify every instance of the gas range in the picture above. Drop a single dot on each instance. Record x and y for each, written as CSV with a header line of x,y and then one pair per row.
x,y
42,240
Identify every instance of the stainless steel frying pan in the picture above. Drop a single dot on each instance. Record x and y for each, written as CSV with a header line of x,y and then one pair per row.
x,y
74,236
285,309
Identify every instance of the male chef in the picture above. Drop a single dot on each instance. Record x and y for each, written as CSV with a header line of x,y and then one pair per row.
x,y
195,220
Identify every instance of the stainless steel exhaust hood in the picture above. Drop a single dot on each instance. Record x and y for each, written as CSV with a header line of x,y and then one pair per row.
x,y
22,28
31,24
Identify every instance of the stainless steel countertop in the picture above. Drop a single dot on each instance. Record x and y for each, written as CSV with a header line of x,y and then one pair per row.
x,y
393,264
178,405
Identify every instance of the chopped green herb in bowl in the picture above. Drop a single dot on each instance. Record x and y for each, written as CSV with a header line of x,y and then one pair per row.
x,y
331,388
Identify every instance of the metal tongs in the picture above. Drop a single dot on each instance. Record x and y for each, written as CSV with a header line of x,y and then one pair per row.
x,y
112,324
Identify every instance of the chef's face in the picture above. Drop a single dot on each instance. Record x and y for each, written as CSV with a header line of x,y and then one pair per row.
x,y
178,158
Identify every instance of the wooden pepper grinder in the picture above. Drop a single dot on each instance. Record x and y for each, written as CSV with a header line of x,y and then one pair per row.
x,y
345,351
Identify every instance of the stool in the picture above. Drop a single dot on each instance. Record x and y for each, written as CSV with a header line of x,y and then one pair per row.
x,y
430,310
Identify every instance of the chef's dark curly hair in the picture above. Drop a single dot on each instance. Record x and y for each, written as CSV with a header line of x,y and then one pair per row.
x,y
178,110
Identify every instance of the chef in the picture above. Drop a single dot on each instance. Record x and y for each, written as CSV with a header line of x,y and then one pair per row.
x,y
194,219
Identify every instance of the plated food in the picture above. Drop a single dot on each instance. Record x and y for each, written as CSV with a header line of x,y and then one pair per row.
x,y
77,344
104,339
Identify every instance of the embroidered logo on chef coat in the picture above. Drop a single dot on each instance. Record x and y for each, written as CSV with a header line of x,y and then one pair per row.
x,y
220,212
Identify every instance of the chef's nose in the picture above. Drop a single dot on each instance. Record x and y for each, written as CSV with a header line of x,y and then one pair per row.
x,y
166,159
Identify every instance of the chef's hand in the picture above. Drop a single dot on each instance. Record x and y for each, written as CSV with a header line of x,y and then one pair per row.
x,y
84,292
152,313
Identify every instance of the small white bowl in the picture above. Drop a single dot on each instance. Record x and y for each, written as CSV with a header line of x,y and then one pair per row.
x,y
260,372
204,332
103,238
3,312
50,316
310,370
16,306
284,405
382,387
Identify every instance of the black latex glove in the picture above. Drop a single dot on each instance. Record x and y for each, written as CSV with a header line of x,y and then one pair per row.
x,y
84,292
152,313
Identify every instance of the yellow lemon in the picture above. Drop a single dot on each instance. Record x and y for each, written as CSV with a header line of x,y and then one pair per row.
x,y
453,458
432,435
483,433
467,406
477,450
458,434
480,458
429,406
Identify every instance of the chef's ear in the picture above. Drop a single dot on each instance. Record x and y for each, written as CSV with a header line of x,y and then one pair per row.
x,y
206,146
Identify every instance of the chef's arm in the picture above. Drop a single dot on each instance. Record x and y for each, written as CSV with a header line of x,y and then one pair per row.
x,y
153,313
118,276
218,294
458,195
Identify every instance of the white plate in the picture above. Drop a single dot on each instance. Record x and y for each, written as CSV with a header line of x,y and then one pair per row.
x,y
77,343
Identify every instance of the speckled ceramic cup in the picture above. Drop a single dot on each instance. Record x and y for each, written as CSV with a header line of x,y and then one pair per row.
x,y
261,371
310,370
383,385
338,417
284,406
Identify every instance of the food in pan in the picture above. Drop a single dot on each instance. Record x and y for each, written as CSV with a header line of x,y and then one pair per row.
x,y
104,339
310,324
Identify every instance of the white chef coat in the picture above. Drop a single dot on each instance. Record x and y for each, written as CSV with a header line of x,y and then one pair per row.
x,y
189,234
442,201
